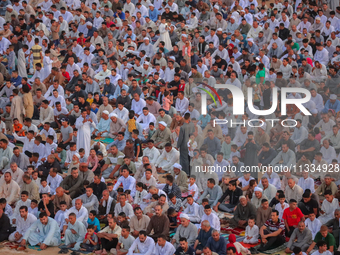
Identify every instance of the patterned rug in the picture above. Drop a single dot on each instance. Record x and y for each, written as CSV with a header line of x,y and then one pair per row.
x,y
105,140
273,251
238,238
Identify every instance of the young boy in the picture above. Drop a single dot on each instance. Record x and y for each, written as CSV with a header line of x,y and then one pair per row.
x,y
151,130
233,153
6,207
83,158
44,188
322,249
313,224
93,220
23,202
89,98
175,203
113,193
192,187
137,145
60,215
280,207
36,178
252,232
122,220
174,219
33,209
90,242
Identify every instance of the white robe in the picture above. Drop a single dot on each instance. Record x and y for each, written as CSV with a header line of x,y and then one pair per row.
x,y
329,209
164,36
84,134
22,64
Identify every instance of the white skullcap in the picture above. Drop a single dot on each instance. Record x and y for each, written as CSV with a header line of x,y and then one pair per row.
x,y
113,115
173,58
314,111
184,215
184,35
77,155
146,63
250,40
233,17
318,18
146,38
9,6
82,17
88,23
106,112
242,11
333,97
258,189
216,6
219,29
162,123
176,165
151,5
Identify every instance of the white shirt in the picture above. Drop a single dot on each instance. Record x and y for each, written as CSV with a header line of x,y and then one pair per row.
x,y
137,107
127,209
182,105
152,153
23,225
307,183
49,92
28,144
168,249
71,68
146,247
213,220
82,214
54,182
314,226
49,132
278,207
122,114
128,184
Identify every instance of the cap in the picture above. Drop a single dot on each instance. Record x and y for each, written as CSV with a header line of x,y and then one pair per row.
x,y
9,6
106,112
162,123
318,18
333,97
64,120
233,17
258,189
151,5
178,166
146,63
216,6
184,216
113,115
146,38
219,29
89,24
77,155
314,111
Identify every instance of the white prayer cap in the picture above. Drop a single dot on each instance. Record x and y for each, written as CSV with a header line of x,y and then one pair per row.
x,y
146,38
242,197
184,216
332,97
258,189
250,40
162,123
151,5
178,166
242,11
113,115
233,17
9,6
184,35
216,6
219,29
77,155
89,24
173,58
106,112
318,18
82,17
314,111
146,63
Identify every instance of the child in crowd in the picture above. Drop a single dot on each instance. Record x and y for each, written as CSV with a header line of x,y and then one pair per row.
x,y
131,124
175,202
44,187
140,194
167,101
192,187
92,160
137,145
151,130
69,105
174,219
113,193
234,152
313,224
6,207
89,98
93,220
33,209
90,242
322,248
122,220
192,145
60,215
252,232
36,178
280,207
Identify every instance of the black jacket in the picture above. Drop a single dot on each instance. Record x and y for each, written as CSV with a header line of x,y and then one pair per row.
x,y
233,195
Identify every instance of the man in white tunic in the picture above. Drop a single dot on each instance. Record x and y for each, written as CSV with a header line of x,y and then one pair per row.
x,y
145,118
79,210
23,222
43,232
6,154
167,159
143,243
75,232
128,182
329,205
163,247
9,189
84,124
151,152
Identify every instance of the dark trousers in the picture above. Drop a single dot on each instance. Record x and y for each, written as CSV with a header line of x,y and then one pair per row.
x,y
108,245
290,232
273,242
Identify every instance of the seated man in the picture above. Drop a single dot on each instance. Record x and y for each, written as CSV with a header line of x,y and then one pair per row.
x,y
187,230
138,222
79,210
123,206
180,177
171,187
149,210
328,207
90,201
234,194
301,237
75,232
48,233
163,247
192,210
323,235
203,236
72,184
167,159
214,192
109,236
143,243
5,226
272,233
184,247
162,135
159,224
212,217
103,127
242,213
333,225
327,184
216,243
263,212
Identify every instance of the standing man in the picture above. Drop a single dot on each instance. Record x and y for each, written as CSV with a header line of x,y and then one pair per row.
x,y
83,124
186,129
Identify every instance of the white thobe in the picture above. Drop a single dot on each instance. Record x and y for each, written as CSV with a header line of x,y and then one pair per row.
x,y
128,184
328,154
193,212
307,183
127,209
146,120
329,209
137,107
84,134
28,144
167,159
167,249
54,182
213,220
82,214
16,176
145,248
314,226
22,226
182,105
122,114
76,238
152,153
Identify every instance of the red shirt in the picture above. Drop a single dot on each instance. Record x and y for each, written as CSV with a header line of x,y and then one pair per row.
x,y
292,217
66,75
181,87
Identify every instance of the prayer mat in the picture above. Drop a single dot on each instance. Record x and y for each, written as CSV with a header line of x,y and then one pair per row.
x,y
35,247
248,245
105,140
238,238
273,251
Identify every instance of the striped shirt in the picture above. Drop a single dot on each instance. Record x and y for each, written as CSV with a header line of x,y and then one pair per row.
x,y
272,227
36,50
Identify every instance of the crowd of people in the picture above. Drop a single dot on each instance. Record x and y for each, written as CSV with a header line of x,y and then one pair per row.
x,y
107,147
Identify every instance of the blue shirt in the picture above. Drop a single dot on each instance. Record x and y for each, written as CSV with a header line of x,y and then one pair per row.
x,y
16,81
90,31
121,15
133,36
153,15
95,222
329,105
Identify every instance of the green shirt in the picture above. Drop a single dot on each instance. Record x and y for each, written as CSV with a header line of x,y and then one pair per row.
x,y
259,75
329,239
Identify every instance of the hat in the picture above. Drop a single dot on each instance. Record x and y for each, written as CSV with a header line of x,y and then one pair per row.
x,y
258,189
151,5
233,17
314,111
89,24
173,58
333,97
106,112
216,6
250,40
176,165
113,115
146,38
9,7
318,18
162,123
77,155
219,29
185,216
242,11
146,63
184,35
